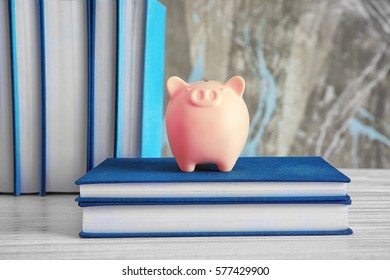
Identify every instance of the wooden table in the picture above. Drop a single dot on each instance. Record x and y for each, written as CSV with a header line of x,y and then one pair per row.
x,y
47,227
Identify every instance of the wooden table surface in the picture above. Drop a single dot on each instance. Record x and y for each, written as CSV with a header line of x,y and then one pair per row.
x,y
47,227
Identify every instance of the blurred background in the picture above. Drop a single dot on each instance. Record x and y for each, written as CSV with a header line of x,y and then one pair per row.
x,y
317,72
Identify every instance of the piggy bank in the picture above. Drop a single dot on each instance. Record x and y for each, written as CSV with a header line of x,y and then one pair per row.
x,y
207,122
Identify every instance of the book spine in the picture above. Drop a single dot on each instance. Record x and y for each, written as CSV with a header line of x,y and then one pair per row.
x,y
119,89
153,80
41,9
15,99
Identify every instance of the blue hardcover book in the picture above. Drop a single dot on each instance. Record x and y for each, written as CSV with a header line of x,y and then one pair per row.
x,y
215,219
260,196
130,50
251,176
153,80
27,95
6,119
65,104
102,80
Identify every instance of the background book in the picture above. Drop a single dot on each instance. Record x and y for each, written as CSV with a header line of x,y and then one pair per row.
x,y
6,115
130,60
66,103
27,102
153,80
102,59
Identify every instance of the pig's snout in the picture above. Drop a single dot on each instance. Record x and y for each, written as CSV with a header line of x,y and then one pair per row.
x,y
205,98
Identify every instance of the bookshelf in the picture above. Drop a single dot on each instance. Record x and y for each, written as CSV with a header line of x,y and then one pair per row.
x,y
47,228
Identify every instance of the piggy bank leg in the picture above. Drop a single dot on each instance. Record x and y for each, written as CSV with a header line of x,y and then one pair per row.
x,y
226,166
186,166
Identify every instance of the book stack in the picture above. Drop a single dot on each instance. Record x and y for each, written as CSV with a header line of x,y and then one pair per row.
x,y
80,81
151,197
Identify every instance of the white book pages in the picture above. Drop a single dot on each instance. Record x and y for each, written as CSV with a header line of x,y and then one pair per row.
x,y
104,80
66,93
215,218
29,99
131,77
208,189
6,129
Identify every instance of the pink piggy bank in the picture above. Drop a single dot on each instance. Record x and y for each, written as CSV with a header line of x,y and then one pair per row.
x,y
207,122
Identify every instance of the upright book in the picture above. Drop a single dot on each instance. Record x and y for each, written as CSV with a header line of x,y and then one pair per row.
x,y
261,196
66,99
27,95
153,80
130,53
102,34
6,119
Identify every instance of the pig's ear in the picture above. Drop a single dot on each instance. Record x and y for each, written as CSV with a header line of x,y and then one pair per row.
x,y
237,84
174,85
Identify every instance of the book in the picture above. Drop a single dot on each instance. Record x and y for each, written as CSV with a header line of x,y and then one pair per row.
x,y
215,219
130,50
251,176
6,119
132,197
27,95
102,79
153,80
66,100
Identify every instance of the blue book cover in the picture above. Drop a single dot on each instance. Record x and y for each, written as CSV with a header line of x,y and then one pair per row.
x,y
247,169
210,234
107,201
153,80
91,17
41,9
